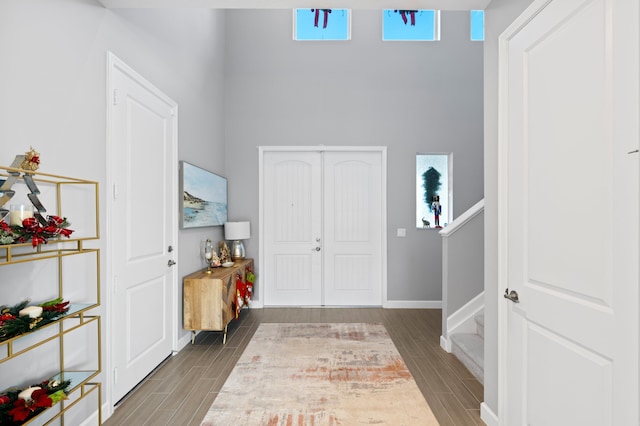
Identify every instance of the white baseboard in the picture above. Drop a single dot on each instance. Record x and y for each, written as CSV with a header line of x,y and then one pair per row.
x,y
389,304
488,416
413,304
461,321
184,341
93,418
445,344
107,411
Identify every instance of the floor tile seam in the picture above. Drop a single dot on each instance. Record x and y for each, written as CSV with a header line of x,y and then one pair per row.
x,y
469,416
185,380
459,395
156,424
177,410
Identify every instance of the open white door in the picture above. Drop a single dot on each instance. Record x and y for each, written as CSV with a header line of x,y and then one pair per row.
x,y
143,222
568,214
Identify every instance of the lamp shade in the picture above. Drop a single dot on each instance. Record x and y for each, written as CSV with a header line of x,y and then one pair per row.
x,y
237,230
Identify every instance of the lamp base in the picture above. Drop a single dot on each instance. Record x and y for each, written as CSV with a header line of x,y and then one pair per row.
x,y
237,250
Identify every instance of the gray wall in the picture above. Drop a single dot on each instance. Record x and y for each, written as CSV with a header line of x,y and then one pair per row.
x,y
498,16
53,81
411,97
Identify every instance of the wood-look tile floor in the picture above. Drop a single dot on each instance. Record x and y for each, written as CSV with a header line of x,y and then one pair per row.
x,y
181,391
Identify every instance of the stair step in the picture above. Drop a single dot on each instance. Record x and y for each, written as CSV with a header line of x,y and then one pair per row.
x,y
479,324
469,349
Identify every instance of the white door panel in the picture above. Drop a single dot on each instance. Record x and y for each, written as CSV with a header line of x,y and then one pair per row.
x,y
143,221
353,228
292,224
569,215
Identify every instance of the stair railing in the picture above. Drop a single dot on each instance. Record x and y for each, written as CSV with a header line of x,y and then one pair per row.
x,y
462,267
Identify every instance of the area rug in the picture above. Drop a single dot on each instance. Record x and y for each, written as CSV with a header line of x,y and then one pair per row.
x,y
320,374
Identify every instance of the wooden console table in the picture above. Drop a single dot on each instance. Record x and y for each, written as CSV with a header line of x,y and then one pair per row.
x,y
209,299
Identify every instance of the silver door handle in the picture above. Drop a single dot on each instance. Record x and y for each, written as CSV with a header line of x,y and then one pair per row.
x,y
513,295
171,262
316,249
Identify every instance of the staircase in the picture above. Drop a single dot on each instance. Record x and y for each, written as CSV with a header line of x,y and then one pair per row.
x,y
462,290
469,348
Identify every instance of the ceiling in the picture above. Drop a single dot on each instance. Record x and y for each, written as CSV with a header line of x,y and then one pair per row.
x,y
291,4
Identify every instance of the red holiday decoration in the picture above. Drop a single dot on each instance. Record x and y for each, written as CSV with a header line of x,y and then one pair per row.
x,y
411,13
317,16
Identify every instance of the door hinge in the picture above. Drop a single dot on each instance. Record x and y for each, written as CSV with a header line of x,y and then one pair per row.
x,y
115,376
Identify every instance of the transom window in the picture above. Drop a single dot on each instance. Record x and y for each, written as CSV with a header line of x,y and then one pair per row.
x,y
477,25
321,24
416,25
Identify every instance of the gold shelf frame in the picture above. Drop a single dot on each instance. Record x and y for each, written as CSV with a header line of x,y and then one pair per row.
x,y
59,248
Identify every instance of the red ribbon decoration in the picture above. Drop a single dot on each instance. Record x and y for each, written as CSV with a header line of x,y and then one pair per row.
x,y
39,234
317,16
412,13
58,307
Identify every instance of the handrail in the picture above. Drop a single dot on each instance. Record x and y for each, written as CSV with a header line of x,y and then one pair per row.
x,y
465,217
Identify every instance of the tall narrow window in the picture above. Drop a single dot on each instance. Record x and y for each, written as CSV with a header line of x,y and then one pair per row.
x,y
477,25
433,190
418,25
321,24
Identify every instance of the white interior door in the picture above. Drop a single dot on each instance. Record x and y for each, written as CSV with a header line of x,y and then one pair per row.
x,y
569,214
143,223
322,231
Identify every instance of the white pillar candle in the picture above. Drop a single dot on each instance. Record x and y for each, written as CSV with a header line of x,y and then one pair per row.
x,y
31,311
18,213
26,394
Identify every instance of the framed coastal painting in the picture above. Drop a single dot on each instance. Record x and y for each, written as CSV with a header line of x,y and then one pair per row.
x,y
203,197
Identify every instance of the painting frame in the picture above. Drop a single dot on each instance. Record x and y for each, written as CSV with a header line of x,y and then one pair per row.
x,y
203,197
438,166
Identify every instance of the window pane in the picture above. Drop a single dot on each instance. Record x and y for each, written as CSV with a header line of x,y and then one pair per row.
x,y
321,24
477,25
433,203
409,25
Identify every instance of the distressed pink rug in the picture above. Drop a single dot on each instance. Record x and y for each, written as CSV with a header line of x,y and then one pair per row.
x,y
320,374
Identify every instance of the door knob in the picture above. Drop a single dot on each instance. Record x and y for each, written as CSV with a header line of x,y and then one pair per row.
x,y
171,262
513,295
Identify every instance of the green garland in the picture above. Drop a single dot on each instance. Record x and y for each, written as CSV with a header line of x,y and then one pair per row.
x,y
12,324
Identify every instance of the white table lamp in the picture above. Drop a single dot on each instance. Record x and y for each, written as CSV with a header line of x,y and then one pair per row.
x,y
236,232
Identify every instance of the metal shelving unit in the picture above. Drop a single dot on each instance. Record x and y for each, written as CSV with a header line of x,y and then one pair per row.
x,y
78,316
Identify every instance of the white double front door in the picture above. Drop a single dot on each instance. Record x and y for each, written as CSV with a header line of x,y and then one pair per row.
x,y
322,228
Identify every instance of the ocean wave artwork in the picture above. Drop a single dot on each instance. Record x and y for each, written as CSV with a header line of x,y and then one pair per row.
x,y
204,197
